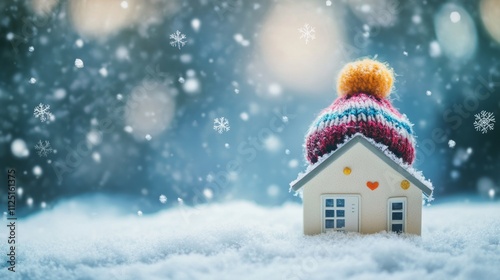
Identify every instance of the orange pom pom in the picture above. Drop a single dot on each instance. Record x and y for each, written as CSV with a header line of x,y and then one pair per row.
x,y
366,76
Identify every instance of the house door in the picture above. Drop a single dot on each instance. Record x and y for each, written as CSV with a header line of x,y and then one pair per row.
x,y
340,213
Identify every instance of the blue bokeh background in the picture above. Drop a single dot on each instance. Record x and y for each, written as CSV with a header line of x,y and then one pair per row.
x,y
243,61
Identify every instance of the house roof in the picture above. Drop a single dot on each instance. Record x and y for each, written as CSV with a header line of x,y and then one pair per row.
x,y
415,177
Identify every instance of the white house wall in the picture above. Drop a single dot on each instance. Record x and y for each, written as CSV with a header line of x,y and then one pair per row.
x,y
365,166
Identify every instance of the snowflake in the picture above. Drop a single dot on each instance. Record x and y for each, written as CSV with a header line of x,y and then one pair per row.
x,y
307,32
43,148
484,121
221,125
178,39
42,111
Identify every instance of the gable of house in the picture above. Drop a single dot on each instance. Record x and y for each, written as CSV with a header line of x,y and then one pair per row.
x,y
408,173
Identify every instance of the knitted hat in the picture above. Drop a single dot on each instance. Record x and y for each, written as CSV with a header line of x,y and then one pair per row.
x,y
362,107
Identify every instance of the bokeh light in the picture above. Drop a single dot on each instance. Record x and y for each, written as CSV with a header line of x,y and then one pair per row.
x,y
456,32
490,16
379,13
150,109
309,68
103,18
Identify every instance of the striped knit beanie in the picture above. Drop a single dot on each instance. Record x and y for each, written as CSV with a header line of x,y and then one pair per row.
x,y
362,107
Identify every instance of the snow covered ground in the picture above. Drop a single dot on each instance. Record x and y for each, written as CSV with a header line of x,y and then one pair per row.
x,y
89,239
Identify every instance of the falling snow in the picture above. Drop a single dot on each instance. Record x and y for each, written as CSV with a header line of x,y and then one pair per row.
x,y
307,33
79,43
37,171
221,125
19,149
177,39
43,148
78,63
103,71
451,143
42,111
484,121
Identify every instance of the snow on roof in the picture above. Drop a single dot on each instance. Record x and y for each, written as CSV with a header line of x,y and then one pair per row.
x,y
414,176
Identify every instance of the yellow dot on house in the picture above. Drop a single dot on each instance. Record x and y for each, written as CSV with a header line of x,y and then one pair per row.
x,y
405,184
347,170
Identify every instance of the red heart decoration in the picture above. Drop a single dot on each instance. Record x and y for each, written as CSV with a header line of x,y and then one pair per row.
x,y
372,185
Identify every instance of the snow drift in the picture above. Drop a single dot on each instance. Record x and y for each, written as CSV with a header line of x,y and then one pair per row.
x,y
88,239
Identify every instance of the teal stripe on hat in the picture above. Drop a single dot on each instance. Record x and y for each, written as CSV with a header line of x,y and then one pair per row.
x,y
368,111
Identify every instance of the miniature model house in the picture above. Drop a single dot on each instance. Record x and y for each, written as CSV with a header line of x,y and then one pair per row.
x,y
360,151
359,188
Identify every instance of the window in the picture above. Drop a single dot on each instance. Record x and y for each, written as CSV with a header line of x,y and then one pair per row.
x,y
340,202
329,224
329,213
397,228
334,206
340,212
396,214
329,202
397,205
340,223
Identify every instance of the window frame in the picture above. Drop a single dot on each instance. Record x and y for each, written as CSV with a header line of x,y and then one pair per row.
x,y
390,212
336,208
